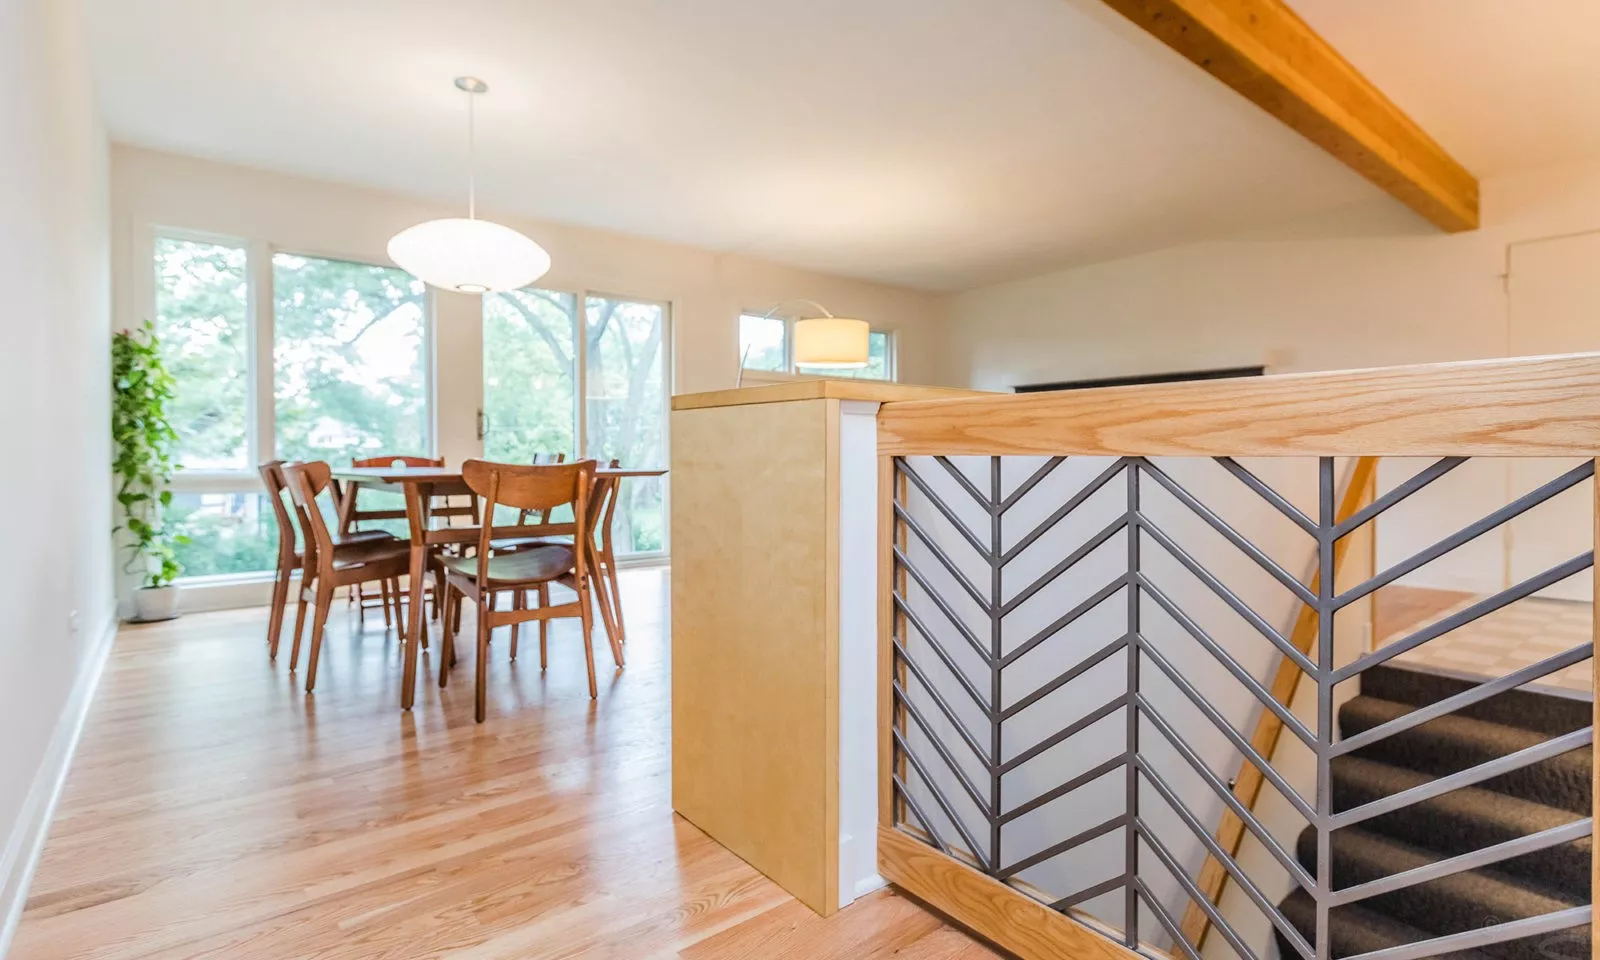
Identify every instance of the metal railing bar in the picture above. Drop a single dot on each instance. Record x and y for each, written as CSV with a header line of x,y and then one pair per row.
x,y
1226,729
1412,484
1245,815
1193,890
1268,494
1066,563
1465,778
983,500
944,805
1289,580
944,559
1073,502
949,663
904,697
1565,833
927,825
1078,670
1470,532
1483,936
1461,618
943,508
1066,620
1057,792
938,602
1089,893
949,761
1167,923
1227,596
1056,849
1464,699
1234,738
1211,646
1066,733
1032,481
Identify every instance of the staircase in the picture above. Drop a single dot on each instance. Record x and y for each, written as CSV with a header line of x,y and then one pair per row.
x,y
1528,800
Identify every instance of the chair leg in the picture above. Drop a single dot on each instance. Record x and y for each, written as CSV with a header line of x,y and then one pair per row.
x,y
608,616
280,603
587,615
519,602
383,590
299,627
482,665
447,642
399,608
361,606
610,568
438,587
544,629
324,601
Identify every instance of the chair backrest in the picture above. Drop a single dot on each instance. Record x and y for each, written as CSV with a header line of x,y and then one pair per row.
x,y
390,461
542,459
306,482
277,484
539,488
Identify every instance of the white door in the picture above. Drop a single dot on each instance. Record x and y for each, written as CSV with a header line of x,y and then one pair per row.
x,y
1554,291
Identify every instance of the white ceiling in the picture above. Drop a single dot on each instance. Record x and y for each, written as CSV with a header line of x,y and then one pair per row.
x,y
934,143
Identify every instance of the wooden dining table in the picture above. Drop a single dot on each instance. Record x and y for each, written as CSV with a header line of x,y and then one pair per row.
x,y
419,486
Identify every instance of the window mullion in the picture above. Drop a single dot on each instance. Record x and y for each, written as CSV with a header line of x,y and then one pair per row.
x,y
263,410
580,374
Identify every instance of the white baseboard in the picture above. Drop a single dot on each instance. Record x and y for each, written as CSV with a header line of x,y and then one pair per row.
x,y
23,848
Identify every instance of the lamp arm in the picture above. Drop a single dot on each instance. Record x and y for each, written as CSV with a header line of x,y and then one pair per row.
x,y
784,303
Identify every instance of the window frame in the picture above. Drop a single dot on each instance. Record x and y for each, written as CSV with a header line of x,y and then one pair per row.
x,y
790,372
261,399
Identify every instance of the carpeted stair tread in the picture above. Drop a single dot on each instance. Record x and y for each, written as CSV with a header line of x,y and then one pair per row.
x,y
1465,820
1452,904
1356,930
1540,712
1451,743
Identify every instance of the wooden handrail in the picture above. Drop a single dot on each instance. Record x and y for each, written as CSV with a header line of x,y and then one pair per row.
x,y
1247,786
1522,407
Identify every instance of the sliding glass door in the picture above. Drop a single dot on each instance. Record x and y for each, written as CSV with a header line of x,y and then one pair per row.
x,y
536,366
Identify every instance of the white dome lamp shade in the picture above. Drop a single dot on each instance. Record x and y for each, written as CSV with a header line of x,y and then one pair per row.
x,y
832,343
466,254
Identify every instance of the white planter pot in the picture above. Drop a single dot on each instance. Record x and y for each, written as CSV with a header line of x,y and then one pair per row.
x,y
155,603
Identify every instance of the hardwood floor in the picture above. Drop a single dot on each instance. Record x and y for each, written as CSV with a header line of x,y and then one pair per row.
x,y
215,811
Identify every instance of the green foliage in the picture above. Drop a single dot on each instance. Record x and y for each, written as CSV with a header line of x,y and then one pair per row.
x,y
143,441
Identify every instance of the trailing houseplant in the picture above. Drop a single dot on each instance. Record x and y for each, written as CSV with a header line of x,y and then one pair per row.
x,y
142,463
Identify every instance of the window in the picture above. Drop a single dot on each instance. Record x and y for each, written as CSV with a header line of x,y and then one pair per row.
x,y
347,376
765,346
536,368
348,355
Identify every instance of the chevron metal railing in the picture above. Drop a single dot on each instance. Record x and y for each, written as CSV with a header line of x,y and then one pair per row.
x,y
951,710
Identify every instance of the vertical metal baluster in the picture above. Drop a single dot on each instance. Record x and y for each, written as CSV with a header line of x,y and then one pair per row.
x,y
996,549
1325,665
1130,867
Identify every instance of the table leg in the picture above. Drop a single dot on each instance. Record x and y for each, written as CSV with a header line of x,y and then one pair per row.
x,y
416,515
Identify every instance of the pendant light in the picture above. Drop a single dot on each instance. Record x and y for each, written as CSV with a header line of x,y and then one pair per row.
x,y
469,255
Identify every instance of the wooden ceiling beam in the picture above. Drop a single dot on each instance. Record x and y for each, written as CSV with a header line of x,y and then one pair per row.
x,y
1265,52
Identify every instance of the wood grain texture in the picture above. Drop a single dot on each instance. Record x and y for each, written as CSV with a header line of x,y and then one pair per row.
x,y
1267,54
755,651
1522,407
1285,680
872,391
214,811
988,907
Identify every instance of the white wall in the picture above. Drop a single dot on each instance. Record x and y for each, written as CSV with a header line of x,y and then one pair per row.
x,y
55,576
1369,285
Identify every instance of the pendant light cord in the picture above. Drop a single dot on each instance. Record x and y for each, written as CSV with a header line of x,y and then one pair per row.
x,y
472,155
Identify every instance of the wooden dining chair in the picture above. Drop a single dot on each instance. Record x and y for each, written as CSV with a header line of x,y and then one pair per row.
x,y
289,558
477,578
328,564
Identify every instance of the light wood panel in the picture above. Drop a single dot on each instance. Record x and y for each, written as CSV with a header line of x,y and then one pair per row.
x,y
988,907
1247,785
1267,54
1523,407
755,631
871,391
215,811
